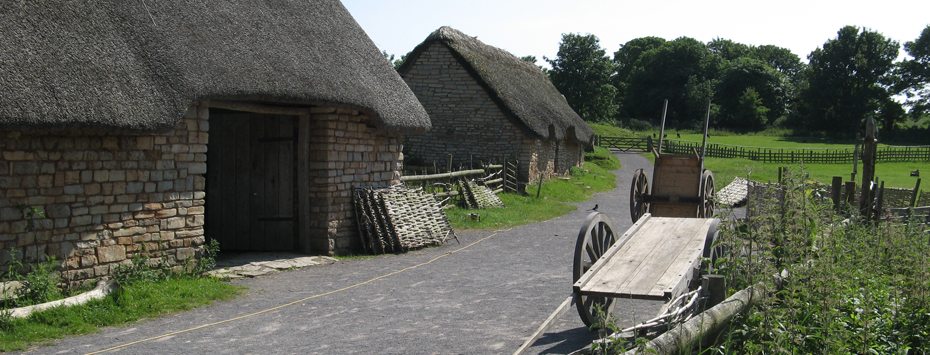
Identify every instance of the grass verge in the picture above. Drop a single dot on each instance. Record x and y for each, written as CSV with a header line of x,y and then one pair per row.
x,y
140,300
527,209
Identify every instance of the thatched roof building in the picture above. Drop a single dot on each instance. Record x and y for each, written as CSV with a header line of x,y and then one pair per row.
x,y
146,128
519,91
139,65
520,87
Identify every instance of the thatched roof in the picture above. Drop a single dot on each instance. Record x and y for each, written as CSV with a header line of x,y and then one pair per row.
x,y
520,87
137,65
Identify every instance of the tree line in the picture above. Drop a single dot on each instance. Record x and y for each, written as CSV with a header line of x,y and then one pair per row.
x,y
850,78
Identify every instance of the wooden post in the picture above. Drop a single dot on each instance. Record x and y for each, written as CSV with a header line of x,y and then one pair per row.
x,y
855,159
869,145
662,130
704,140
850,192
715,288
914,196
836,190
878,205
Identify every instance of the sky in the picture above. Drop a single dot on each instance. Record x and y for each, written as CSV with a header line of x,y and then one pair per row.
x,y
525,27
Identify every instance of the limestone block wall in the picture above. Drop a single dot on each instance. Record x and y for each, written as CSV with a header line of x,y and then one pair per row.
x,y
570,153
105,198
345,152
467,123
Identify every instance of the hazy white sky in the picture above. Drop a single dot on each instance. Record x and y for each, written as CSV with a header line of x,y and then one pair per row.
x,y
525,27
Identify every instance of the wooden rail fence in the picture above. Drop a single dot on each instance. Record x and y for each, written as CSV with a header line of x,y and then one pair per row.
x,y
445,187
885,154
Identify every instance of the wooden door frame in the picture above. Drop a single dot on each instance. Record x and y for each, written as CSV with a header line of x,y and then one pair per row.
x,y
302,242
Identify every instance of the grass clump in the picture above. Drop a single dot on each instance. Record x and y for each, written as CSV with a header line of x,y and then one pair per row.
x,y
602,158
147,290
526,209
854,287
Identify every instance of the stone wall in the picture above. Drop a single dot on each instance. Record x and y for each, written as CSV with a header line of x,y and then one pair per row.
x,y
345,152
467,123
108,198
470,126
105,198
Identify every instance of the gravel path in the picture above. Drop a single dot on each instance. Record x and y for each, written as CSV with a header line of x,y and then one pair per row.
x,y
483,296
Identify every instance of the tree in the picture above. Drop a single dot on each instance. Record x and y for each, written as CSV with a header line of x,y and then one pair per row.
x,y
778,58
847,81
581,72
915,75
682,71
727,49
625,60
769,91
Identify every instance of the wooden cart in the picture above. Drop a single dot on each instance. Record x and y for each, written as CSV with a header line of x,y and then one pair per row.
x,y
681,186
658,258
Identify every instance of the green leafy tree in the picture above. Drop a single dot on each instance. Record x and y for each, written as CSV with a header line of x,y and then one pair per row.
x,y
915,75
727,49
581,72
682,71
750,111
625,60
779,58
769,91
848,80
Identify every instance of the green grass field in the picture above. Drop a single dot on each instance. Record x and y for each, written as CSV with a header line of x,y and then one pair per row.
x,y
893,174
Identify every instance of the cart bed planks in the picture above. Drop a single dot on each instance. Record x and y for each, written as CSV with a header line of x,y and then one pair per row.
x,y
657,262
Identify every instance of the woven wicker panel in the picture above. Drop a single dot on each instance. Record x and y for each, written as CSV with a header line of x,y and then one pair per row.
x,y
483,196
398,219
897,197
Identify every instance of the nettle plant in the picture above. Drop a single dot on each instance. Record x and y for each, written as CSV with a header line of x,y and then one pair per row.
x,y
853,286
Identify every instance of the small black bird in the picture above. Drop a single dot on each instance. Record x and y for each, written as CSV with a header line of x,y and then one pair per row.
x,y
679,135
915,172
595,208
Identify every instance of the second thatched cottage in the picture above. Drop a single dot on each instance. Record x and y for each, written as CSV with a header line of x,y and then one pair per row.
x,y
486,104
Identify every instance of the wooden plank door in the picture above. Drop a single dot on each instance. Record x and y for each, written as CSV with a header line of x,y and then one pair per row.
x,y
250,190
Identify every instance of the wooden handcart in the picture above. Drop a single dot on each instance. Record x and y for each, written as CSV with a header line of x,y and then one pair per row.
x,y
681,186
658,258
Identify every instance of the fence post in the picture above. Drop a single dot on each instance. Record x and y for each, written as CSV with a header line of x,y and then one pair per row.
x,y
914,198
835,192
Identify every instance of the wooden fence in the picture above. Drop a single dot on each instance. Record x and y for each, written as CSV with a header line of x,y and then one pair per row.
x,y
624,143
445,185
885,154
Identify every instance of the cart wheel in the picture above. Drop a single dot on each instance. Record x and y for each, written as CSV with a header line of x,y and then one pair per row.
x,y
594,238
710,251
638,191
707,194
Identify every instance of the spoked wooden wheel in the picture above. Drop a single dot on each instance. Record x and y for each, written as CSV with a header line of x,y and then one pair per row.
x,y
638,191
707,194
594,238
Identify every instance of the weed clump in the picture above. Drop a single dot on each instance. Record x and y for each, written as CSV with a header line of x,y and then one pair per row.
x,y
854,287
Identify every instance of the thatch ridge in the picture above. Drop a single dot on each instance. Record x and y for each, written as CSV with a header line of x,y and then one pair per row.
x,y
521,87
139,65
